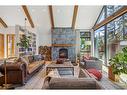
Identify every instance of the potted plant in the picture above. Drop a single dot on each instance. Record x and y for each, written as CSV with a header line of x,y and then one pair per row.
x,y
24,42
118,65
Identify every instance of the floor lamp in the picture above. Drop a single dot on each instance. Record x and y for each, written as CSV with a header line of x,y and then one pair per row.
x,y
5,76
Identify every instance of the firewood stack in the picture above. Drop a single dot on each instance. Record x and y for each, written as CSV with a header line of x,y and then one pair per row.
x,y
45,50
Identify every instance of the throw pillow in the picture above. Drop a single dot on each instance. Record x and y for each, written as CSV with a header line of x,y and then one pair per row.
x,y
31,59
35,58
40,57
24,61
95,72
26,58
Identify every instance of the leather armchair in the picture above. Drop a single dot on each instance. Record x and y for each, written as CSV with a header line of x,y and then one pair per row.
x,y
16,73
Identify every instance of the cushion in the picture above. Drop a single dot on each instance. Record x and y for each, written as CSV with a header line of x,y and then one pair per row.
x,y
22,59
31,59
40,57
26,58
96,73
36,58
33,66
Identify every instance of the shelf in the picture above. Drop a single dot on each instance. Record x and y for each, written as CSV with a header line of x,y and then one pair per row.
x,y
85,37
63,45
64,38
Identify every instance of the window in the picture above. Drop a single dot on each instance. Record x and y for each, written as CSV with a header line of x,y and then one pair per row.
x,y
114,36
99,43
85,43
125,27
112,9
102,16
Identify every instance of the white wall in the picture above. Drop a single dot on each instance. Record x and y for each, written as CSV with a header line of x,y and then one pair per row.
x,y
44,37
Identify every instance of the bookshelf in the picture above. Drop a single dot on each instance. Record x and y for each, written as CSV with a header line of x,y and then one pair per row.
x,y
32,47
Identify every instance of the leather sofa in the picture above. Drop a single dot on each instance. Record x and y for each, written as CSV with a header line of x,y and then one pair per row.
x,y
22,69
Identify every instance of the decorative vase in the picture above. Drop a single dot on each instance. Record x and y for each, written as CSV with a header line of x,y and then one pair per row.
x,y
112,76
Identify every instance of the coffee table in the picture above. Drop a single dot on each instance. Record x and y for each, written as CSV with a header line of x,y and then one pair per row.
x,y
66,65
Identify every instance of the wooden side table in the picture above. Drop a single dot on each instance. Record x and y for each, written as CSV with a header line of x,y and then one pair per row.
x,y
1,77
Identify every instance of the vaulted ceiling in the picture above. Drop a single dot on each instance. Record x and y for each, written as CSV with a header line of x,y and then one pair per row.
x,y
40,15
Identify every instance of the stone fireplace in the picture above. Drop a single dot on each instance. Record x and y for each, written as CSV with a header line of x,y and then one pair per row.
x,y
63,53
63,43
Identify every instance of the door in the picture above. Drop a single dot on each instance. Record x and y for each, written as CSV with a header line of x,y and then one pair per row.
x,y
1,46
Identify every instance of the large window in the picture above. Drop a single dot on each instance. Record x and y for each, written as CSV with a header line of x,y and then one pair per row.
x,y
107,11
102,16
112,37
116,32
125,26
110,9
99,43
115,36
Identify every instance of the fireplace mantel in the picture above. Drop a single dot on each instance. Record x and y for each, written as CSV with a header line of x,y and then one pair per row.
x,y
63,45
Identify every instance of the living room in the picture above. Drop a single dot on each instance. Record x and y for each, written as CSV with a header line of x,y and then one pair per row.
x,y
63,47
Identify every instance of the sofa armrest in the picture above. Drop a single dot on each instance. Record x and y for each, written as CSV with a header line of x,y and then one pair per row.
x,y
12,66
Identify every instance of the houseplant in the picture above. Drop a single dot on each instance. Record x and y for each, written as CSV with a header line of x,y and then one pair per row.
x,y
24,42
118,64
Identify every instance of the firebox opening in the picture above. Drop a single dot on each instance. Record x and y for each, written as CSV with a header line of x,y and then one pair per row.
x,y
63,53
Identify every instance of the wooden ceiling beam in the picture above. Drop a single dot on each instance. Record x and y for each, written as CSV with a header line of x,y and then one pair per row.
x,y
51,16
3,23
111,18
74,16
25,9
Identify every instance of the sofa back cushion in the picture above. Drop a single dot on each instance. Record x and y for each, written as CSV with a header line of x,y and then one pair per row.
x,y
73,83
38,57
